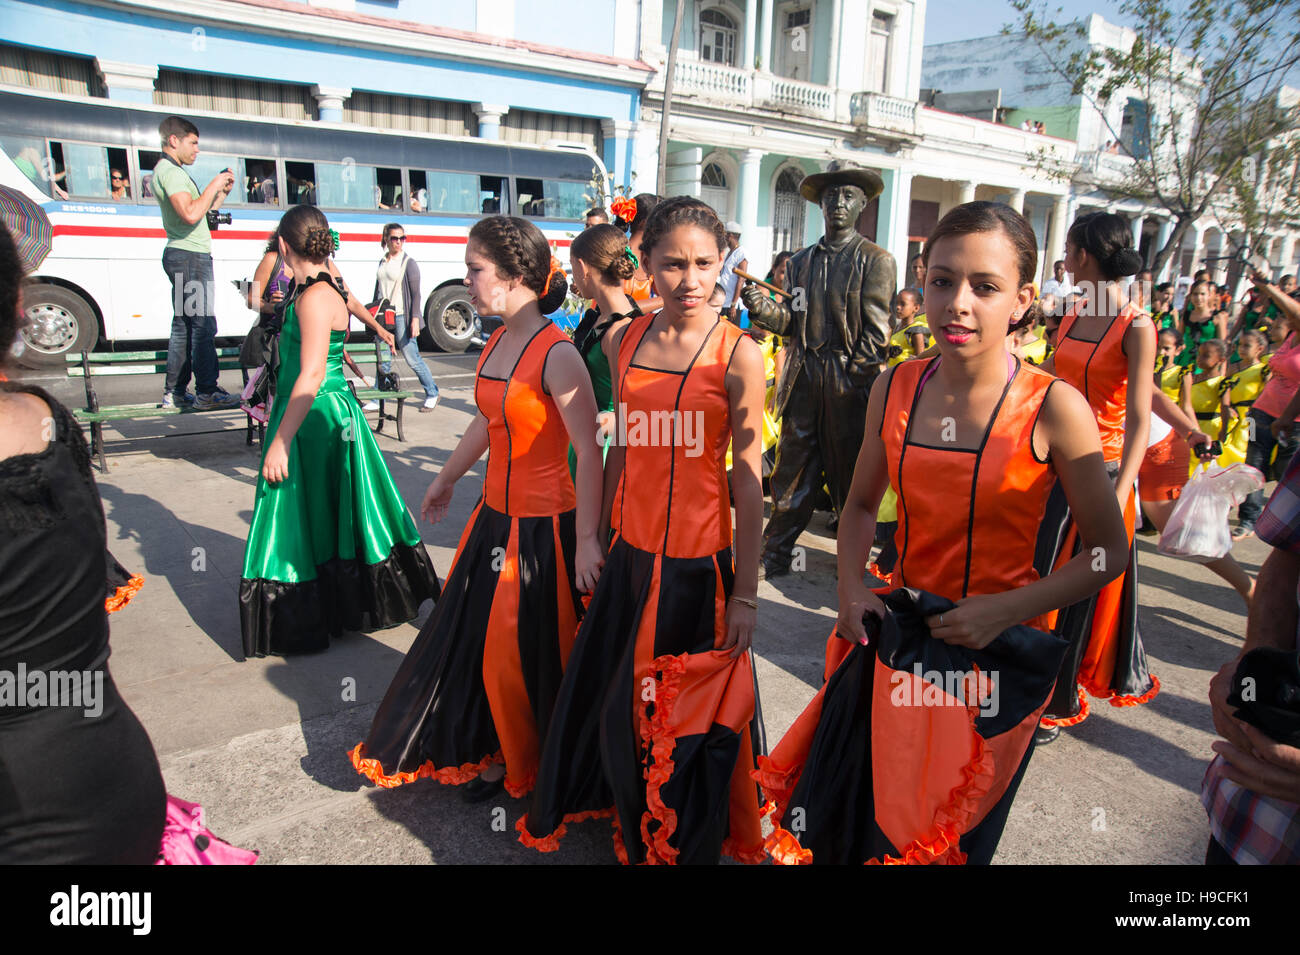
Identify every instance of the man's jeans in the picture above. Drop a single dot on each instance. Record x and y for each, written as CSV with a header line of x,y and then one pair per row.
x,y
1257,454
411,352
194,324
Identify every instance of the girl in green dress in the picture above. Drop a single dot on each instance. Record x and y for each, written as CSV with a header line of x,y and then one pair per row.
x,y
332,546
602,261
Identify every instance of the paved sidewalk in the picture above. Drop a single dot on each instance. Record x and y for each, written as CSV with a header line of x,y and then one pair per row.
x,y
262,744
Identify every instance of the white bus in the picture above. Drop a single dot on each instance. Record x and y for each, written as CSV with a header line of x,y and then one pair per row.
x,y
104,282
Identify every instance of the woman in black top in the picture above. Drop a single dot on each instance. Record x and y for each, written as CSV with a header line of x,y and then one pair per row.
x,y
79,781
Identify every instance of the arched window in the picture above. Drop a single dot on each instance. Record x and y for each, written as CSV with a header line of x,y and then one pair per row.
x,y
788,212
715,190
717,37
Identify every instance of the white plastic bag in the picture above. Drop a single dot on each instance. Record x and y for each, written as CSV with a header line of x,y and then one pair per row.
x,y
1198,527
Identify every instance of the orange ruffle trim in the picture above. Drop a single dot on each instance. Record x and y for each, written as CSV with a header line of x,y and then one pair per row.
x,y
657,734
1075,720
450,775
123,594
551,843
876,572
784,848
1146,697
939,845
777,786
753,856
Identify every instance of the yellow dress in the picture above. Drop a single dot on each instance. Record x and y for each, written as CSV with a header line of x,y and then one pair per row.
x,y
1171,380
1035,352
1245,387
769,347
1206,399
900,343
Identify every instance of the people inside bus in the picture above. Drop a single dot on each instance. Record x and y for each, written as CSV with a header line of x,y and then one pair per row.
x,y
119,188
398,281
33,166
187,260
268,191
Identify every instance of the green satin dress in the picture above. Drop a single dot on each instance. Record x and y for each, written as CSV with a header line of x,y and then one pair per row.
x,y
332,547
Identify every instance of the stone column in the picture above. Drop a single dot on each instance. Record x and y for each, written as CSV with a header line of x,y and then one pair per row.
x,y
1056,234
1287,263
1136,225
966,192
1018,200
833,53
765,37
750,161
895,212
751,28
620,143
329,102
1162,237
489,119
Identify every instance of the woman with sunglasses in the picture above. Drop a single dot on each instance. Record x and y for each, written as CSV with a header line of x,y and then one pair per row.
x,y
398,282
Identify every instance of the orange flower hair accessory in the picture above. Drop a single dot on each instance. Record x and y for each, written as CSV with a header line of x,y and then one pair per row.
x,y
555,267
624,208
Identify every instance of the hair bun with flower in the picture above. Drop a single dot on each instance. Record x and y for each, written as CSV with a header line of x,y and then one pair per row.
x,y
555,267
624,208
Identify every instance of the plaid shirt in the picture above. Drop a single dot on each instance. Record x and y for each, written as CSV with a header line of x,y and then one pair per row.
x,y
1255,829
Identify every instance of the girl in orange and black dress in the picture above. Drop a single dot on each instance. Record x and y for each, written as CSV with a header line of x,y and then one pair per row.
x,y
658,714
999,434
1106,349
471,701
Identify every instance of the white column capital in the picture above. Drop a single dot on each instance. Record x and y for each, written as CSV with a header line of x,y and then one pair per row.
x,y
330,97
128,76
618,128
752,156
966,192
489,112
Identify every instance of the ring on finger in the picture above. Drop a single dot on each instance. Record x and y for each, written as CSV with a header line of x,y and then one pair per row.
x,y
941,620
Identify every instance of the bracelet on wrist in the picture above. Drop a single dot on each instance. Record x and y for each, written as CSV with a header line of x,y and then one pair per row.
x,y
751,604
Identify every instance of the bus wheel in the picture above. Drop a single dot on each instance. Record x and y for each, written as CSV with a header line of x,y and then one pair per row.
x,y
450,318
59,323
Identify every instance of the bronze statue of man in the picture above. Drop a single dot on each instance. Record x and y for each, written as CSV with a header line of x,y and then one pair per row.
x,y
836,329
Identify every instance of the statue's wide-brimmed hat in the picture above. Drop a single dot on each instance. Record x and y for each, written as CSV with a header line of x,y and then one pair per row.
x,y
842,173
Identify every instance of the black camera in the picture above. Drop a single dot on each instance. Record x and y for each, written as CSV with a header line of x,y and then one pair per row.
x,y
216,218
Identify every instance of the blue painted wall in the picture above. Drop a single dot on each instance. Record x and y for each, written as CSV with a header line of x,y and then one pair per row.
x,y
116,35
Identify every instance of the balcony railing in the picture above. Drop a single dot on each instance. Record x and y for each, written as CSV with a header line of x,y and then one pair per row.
x,y
1106,165
712,81
800,97
877,111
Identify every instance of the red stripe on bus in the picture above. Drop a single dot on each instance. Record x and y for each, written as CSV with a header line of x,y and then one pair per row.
x,y
127,232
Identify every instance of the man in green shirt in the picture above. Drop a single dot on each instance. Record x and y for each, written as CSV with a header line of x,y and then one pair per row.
x,y
187,260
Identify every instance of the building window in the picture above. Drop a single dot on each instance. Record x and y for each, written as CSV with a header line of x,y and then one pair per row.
x,y
794,55
715,190
788,212
717,37
882,29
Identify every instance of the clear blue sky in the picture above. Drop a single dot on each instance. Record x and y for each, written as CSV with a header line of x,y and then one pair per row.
x,y
947,20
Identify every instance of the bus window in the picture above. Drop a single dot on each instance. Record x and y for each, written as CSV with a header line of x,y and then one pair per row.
x,y
388,189
85,170
203,171
259,182
552,198
455,192
348,185
28,154
300,189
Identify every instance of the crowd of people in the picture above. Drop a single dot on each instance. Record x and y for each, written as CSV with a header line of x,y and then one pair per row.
x,y
590,650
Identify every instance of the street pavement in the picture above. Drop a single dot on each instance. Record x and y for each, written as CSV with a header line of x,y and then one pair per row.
x,y
262,744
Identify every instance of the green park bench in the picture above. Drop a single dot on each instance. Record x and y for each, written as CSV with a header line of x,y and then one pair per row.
x,y
374,394
89,365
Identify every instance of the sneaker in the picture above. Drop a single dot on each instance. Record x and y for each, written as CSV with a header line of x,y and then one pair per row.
x,y
1046,734
178,401
1242,531
429,404
371,405
218,399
